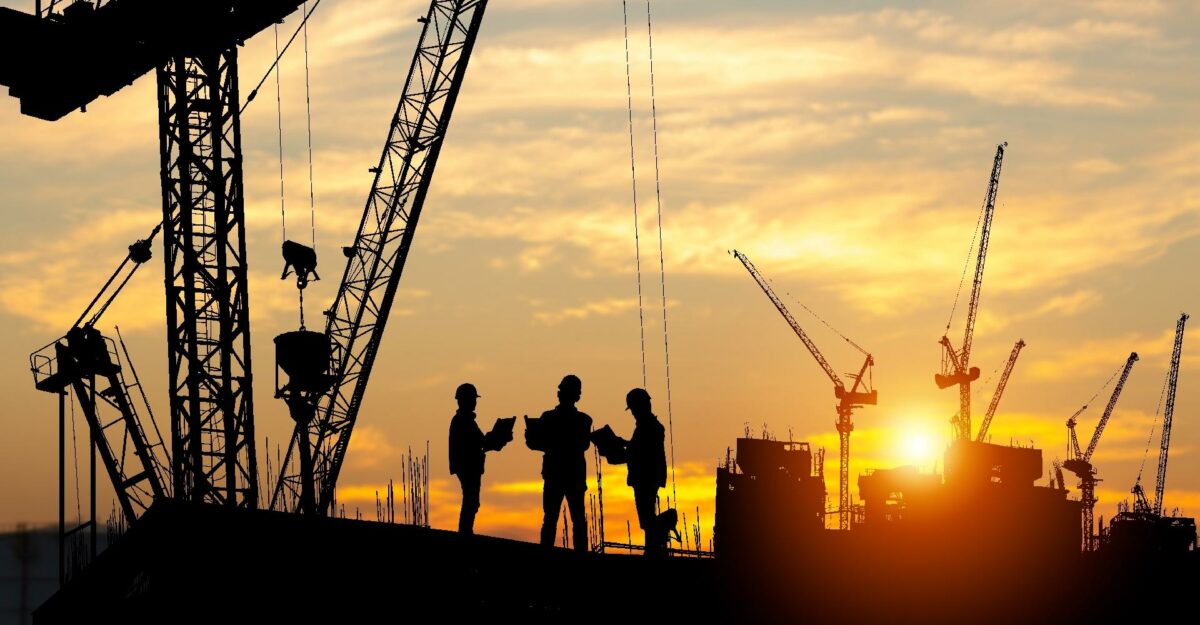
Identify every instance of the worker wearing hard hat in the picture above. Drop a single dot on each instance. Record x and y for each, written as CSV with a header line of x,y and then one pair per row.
x,y
563,435
647,459
468,447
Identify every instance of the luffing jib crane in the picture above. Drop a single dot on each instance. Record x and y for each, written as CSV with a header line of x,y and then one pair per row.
x,y
87,362
848,400
1080,462
1000,386
956,367
1160,480
328,372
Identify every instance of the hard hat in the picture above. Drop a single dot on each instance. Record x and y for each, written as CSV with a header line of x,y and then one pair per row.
x,y
635,396
466,389
571,382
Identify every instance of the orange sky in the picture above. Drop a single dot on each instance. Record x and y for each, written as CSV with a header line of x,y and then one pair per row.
x,y
845,150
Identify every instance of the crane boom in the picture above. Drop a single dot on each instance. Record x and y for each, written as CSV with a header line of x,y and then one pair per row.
x,y
1168,413
87,363
959,370
1080,463
375,262
985,236
791,321
1108,410
1000,386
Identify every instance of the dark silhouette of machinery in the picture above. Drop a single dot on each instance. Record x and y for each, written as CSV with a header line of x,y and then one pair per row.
x,y
956,367
999,392
57,62
1142,530
86,363
848,399
1080,462
328,372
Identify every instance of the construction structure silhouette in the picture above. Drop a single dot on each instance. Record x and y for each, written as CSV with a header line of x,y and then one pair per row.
x,y
71,57
981,541
1141,530
999,392
1080,462
848,399
956,366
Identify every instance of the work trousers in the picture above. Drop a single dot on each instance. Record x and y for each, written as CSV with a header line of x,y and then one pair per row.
x,y
552,496
470,502
644,499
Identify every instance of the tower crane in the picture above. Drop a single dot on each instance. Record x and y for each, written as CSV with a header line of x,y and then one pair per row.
x,y
1000,386
1168,413
848,400
328,372
956,367
1080,463
59,62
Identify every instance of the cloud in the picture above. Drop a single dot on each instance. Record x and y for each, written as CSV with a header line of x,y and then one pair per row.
x,y
1029,81
1069,305
1098,355
1096,167
370,447
603,308
51,280
844,151
1147,8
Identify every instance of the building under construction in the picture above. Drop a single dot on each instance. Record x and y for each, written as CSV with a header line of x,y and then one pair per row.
x,y
981,543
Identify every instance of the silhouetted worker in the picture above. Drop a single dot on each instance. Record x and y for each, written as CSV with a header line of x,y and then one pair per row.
x,y
647,460
468,446
564,437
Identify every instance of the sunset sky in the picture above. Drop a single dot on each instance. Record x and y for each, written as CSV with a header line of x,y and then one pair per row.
x,y
844,147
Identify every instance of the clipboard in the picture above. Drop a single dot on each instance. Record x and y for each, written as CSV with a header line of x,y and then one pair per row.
x,y
501,434
611,446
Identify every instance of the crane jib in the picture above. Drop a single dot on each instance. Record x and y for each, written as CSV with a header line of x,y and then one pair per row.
x,y
1168,414
376,259
960,372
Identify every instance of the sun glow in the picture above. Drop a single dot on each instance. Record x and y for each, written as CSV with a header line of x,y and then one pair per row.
x,y
918,445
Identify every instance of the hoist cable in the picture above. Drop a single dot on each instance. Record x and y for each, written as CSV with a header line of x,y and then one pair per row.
x,y
662,271
633,173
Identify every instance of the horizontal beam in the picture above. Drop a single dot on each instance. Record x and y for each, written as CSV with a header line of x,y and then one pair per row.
x,y
61,63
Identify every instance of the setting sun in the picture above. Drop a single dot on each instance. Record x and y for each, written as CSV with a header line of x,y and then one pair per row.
x,y
918,444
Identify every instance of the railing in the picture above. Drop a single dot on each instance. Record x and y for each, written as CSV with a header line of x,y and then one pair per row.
x,y
44,362
46,8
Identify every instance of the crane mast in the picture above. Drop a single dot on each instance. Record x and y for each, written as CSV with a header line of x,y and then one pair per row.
x,y
1168,413
84,50
848,400
1080,463
1000,386
956,367
375,260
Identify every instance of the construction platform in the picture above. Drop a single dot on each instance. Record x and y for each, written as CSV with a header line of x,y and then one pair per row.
x,y
179,562
288,567
61,62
